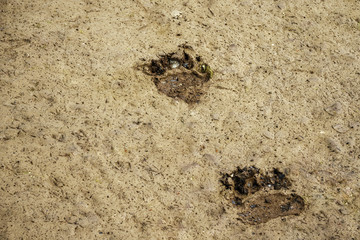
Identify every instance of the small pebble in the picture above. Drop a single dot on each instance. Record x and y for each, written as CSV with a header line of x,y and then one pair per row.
x,y
282,134
313,80
299,138
88,221
233,48
176,14
210,158
214,116
268,135
174,64
354,125
334,109
189,167
350,141
344,211
340,128
281,5
333,145
304,120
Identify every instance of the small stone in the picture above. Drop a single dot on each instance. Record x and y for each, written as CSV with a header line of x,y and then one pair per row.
x,y
281,5
304,120
282,134
344,211
88,221
189,167
192,113
176,14
350,142
210,158
354,125
268,135
214,116
299,138
313,80
334,109
232,48
333,145
340,128
174,64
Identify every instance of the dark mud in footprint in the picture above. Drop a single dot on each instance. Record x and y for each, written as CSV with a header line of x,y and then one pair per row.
x,y
180,75
265,208
254,193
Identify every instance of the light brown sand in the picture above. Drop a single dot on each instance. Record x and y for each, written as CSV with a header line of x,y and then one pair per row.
x,y
89,149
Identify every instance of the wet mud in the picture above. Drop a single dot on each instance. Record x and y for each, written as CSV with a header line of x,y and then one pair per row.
x,y
181,74
258,195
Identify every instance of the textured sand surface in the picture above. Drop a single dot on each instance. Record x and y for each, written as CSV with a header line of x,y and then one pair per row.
x,y
89,149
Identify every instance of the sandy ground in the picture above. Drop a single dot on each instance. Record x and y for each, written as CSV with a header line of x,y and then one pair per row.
x,y
91,150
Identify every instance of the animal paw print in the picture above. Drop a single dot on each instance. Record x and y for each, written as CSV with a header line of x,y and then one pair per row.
x,y
180,75
257,195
